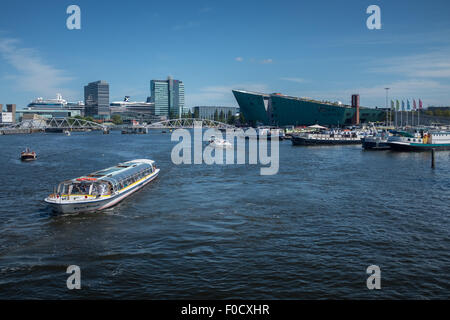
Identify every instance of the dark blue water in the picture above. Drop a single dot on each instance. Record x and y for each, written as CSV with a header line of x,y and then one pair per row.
x,y
202,231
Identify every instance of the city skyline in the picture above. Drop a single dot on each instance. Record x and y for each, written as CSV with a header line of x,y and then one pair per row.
x,y
321,50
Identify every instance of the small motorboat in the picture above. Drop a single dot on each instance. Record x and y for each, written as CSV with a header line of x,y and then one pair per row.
x,y
28,155
67,133
219,143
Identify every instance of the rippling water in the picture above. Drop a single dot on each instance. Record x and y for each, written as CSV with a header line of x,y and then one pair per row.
x,y
202,231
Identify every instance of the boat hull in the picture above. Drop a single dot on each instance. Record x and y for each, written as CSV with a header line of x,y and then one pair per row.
x,y
97,205
299,141
417,146
28,157
375,144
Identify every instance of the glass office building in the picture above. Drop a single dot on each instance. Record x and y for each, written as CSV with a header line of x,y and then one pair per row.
x,y
168,97
96,99
208,112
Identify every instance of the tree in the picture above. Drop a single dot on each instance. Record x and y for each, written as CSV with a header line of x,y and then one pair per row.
x,y
231,119
196,113
216,115
222,116
241,118
116,119
229,115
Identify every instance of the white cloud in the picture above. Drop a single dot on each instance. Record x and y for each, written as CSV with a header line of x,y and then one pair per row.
x,y
187,25
426,65
220,95
205,9
430,91
32,73
239,59
297,80
266,61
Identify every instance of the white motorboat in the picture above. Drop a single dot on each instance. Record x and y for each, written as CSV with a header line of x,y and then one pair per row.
x,y
219,143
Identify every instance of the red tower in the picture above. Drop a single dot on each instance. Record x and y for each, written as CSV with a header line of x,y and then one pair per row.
x,y
355,104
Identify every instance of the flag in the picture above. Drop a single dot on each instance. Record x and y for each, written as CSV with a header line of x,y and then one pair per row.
x,y
408,107
397,107
414,105
420,104
403,105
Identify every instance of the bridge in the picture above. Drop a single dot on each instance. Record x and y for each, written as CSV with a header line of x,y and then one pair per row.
x,y
187,123
52,124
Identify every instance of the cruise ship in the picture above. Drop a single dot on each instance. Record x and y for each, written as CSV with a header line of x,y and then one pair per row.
x,y
133,106
55,104
280,110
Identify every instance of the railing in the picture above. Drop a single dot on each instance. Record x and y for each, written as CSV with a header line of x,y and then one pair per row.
x,y
188,123
55,123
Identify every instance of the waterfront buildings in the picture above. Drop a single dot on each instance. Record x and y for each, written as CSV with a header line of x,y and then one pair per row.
x,y
214,112
168,97
53,108
96,99
8,116
281,110
129,110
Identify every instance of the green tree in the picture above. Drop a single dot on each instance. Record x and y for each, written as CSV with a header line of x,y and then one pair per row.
x,y
222,116
196,113
216,116
241,118
230,117
117,119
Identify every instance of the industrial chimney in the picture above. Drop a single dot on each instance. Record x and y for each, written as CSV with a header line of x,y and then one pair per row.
x,y
355,104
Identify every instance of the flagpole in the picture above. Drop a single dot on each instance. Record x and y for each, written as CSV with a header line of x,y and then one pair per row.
x,y
401,118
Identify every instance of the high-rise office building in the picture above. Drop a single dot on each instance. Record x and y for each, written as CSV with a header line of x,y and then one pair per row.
x,y
96,99
168,96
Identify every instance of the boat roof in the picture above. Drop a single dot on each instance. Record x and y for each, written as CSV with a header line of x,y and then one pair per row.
x,y
120,171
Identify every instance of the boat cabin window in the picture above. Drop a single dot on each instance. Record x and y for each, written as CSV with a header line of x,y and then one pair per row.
x,y
86,188
101,189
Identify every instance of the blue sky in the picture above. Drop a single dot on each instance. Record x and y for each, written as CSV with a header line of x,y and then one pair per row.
x,y
319,49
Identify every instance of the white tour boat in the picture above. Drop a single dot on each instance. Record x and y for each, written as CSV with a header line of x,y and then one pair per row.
x,y
104,188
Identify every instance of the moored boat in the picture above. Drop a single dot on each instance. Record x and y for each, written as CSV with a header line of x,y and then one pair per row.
x,y
422,141
313,139
28,155
104,188
377,141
